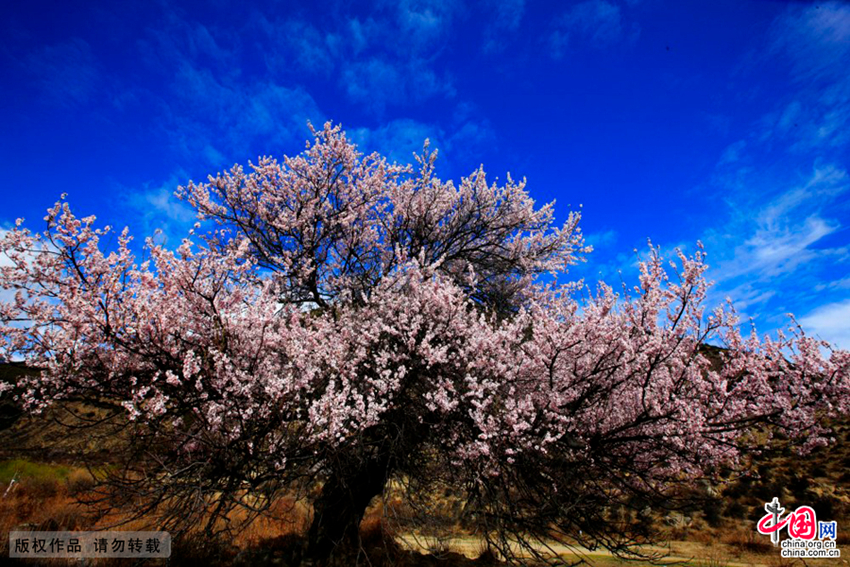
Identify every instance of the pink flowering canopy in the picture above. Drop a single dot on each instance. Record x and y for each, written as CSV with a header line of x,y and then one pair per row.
x,y
351,323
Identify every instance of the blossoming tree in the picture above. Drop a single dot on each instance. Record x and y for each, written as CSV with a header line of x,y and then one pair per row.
x,y
350,324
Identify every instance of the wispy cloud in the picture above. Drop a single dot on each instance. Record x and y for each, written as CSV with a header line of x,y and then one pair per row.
x,y
593,23
377,82
67,72
503,25
815,38
400,139
831,322
298,45
424,22
213,110
811,41
775,251
602,239
733,152
208,104
783,246
227,123
784,230
779,250
158,211
209,109
375,69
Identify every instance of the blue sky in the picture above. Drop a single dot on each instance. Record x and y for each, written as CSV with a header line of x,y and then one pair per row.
x,y
724,121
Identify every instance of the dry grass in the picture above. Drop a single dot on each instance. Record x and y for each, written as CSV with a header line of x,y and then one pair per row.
x,y
47,497
56,502
33,505
744,539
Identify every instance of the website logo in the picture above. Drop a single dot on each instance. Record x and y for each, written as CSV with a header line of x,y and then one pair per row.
x,y
807,537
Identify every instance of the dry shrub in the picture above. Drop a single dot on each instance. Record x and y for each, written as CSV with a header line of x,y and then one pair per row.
x,y
378,547
678,533
43,510
487,557
779,561
378,543
705,536
24,511
280,550
715,558
285,517
197,550
746,540
39,488
80,481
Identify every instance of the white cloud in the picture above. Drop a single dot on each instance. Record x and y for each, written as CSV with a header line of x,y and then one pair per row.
x,y
778,253
378,82
843,283
230,121
782,245
733,152
501,27
602,239
9,295
831,322
373,67
812,43
424,22
163,201
777,238
816,39
158,211
4,259
593,23
6,295
208,108
297,45
399,139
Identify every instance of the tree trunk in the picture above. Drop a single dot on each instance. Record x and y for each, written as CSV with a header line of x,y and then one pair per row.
x,y
338,511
